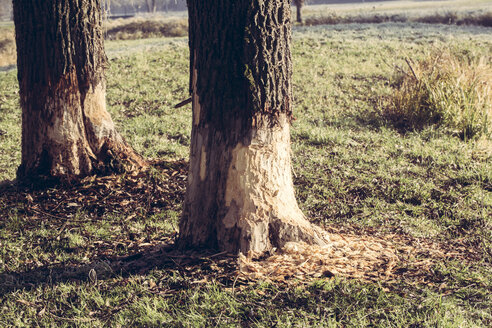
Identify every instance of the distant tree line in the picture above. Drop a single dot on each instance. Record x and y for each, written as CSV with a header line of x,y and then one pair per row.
x,y
132,7
117,7
129,7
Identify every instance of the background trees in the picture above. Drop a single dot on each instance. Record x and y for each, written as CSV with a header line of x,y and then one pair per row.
x,y
66,130
299,4
116,7
121,7
154,5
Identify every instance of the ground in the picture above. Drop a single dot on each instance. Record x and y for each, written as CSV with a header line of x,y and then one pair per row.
x,y
96,253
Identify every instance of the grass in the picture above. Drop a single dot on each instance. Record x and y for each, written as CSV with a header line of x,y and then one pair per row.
x,y
119,29
458,12
401,7
449,17
452,89
353,170
455,12
138,28
7,46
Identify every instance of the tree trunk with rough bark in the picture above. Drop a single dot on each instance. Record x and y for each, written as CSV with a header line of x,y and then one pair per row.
x,y
240,195
66,129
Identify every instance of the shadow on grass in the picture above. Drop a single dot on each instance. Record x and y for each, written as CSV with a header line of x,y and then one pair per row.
x,y
116,201
7,68
194,265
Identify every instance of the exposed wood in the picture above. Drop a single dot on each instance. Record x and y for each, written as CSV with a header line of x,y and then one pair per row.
x,y
240,195
66,129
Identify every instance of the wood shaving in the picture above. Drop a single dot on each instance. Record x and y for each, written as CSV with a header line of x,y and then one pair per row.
x,y
365,258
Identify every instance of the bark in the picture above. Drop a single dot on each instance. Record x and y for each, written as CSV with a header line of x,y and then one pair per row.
x,y
240,195
66,129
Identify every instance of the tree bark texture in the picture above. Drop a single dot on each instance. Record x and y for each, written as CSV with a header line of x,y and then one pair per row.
x,y
240,195
66,129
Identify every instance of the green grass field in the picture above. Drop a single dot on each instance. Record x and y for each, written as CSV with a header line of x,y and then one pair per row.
x,y
455,12
405,7
353,172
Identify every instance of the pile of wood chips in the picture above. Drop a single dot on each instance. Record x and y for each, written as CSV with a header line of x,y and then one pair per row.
x,y
365,258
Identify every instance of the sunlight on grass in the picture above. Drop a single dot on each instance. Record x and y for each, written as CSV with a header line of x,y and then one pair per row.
x,y
352,171
445,88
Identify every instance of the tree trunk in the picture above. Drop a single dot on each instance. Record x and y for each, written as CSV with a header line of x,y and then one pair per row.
x,y
66,129
240,195
299,12
151,6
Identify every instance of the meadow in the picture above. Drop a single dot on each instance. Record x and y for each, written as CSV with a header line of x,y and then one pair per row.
x,y
90,255
406,7
457,12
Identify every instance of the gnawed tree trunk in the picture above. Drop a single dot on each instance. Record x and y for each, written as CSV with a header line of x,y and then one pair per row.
x,y
240,195
66,129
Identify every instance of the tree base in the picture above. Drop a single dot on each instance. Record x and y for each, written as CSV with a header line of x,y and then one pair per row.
x,y
252,209
73,136
260,194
